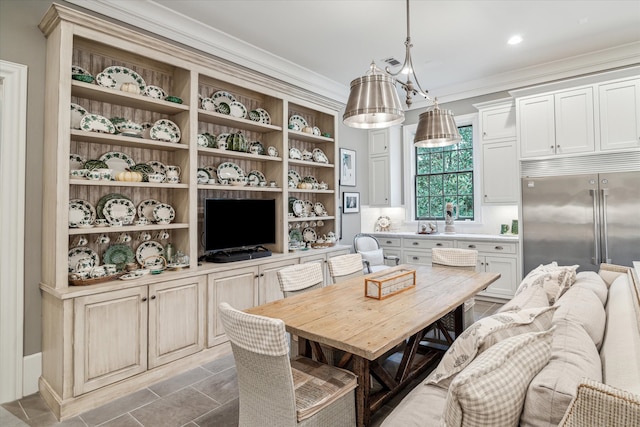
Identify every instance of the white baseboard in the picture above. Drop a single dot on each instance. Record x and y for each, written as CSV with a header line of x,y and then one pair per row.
x,y
31,371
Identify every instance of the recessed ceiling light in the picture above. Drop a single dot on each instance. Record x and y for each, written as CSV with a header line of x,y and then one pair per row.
x,y
515,39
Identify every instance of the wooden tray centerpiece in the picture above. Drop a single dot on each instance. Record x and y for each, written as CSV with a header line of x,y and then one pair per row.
x,y
387,283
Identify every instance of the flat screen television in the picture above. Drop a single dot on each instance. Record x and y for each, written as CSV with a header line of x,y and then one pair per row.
x,y
238,223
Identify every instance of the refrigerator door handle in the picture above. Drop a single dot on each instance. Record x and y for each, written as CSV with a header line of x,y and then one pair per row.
x,y
595,260
605,233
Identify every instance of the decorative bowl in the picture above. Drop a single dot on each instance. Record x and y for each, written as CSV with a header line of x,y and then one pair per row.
x,y
87,78
174,99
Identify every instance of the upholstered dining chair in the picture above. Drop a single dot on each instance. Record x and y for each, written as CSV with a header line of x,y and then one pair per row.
x,y
343,267
372,254
455,258
277,391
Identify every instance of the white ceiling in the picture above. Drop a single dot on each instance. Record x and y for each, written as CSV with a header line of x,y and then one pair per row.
x,y
460,47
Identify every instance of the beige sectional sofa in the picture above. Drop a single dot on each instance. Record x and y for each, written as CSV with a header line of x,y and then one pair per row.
x,y
561,333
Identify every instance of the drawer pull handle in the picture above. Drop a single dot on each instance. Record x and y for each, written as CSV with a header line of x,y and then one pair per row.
x,y
499,248
416,258
416,243
472,246
389,242
438,244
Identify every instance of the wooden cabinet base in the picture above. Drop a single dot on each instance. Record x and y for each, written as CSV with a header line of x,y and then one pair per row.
x,y
66,408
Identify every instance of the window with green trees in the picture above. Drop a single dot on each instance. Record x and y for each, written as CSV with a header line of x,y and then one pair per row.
x,y
443,175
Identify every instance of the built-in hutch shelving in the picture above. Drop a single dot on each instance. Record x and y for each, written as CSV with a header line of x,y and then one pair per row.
x,y
104,340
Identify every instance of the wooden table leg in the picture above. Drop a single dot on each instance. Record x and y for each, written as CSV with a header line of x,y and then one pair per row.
x,y
458,320
304,347
363,405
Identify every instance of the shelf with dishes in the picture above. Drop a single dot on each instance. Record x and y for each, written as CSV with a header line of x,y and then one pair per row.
x,y
315,218
98,229
235,122
126,141
238,154
308,137
110,183
230,187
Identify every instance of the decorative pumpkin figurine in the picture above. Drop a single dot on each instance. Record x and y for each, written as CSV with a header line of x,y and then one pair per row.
x,y
130,88
129,176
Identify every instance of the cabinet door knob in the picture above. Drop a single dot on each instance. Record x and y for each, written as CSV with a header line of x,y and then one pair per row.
x,y
499,248
484,133
472,246
485,195
551,146
153,297
144,299
389,242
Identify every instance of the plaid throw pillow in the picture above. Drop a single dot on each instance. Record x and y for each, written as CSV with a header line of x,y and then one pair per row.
x,y
491,391
485,333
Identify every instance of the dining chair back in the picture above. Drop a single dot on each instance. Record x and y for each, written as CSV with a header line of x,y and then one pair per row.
x,y
277,391
343,267
372,254
299,278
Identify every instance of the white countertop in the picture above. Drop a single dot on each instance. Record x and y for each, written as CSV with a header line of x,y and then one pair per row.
x,y
455,236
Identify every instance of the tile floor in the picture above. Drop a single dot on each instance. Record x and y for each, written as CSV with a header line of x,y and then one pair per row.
x,y
205,396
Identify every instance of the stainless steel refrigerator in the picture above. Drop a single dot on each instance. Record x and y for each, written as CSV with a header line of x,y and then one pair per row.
x,y
581,219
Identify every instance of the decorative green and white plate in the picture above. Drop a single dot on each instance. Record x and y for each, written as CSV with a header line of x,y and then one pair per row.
x,y
264,116
208,104
129,128
119,210
117,161
229,170
256,147
212,170
120,255
147,249
237,109
319,156
254,116
223,108
299,121
295,154
155,92
145,209
102,202
212,140
165,130
203,140
158,167
316,131
96,123
76,254
298,208
308,207
272,151
310,179
79,211
163,212
319,209
255,177
294,176
309,235
76,69
76,161
203,176
77,112
295,235
115,76
222,96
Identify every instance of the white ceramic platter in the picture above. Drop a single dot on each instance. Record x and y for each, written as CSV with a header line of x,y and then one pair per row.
x,y
115,76
77,112
117,161
228,170
316,131
164,212
165,130
295,154
238,110
309,235
222,96
272,151
203,141
319,209
147,249
145,209
294,176
80,210
96,123
319,156
255,177
76,254
158,167
308,207
298,208
76,161
264,116
208,104
119,210
155,92
298,120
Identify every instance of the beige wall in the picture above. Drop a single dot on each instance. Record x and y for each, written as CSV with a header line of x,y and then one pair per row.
x,y
22,42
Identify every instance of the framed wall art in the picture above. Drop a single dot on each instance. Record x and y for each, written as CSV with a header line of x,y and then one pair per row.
x,y
347,167
350,202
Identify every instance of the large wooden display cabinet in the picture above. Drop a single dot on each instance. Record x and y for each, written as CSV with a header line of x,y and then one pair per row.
x,y
105,340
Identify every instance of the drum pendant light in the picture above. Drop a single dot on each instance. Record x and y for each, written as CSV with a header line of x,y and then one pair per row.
x,y
374,103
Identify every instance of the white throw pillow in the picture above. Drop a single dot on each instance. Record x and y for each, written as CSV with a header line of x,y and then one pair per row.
x,y
491,390
532,297
483,334
374,257
554,279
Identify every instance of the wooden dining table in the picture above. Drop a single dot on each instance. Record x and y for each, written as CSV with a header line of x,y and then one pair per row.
x,y
365,330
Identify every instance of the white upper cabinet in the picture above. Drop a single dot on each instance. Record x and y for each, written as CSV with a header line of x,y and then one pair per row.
x,y
498,123
619,115
385,167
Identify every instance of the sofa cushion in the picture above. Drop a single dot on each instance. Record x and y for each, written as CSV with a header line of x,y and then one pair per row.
x,y
620,352
592,281
422,407
375,257
491,390
582,306
573,356
532,297
483,334
553,278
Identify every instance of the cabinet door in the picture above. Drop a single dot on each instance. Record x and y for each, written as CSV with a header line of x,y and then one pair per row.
x,y
620,115
379,184
498,124
500,172
378,142
536,125
176,319
237,288
268,284
110,338
574,121
505,286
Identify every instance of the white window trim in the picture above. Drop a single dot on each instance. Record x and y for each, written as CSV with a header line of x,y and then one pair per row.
x,y
408,133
